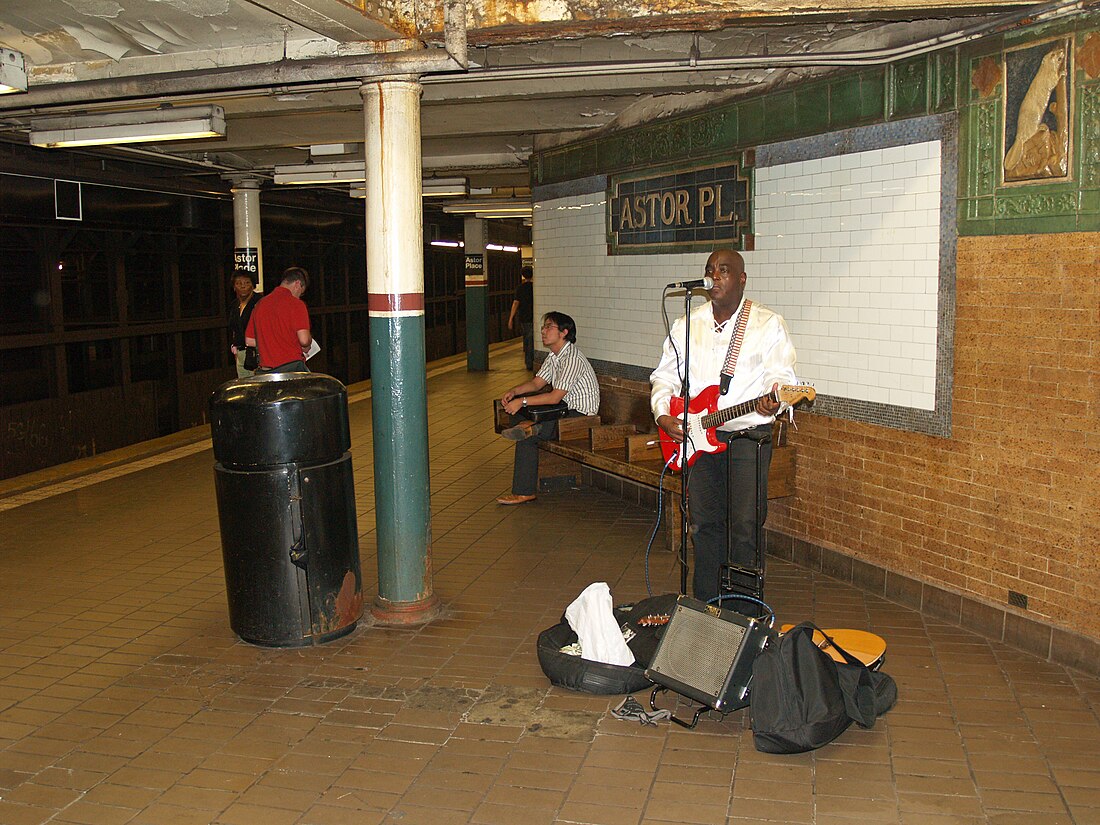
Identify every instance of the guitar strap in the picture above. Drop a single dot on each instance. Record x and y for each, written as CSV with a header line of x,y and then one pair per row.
x,y
735,346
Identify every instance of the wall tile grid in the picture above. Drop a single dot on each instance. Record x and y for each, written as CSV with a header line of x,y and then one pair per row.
x,y
847,250
616,301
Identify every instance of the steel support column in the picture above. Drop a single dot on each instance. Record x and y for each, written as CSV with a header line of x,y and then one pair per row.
x,y
395,300
475,234
248,250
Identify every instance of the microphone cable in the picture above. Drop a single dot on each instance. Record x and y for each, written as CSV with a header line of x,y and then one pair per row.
x,y
657,524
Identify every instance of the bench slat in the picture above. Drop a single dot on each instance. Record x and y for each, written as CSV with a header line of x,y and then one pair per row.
x,y
643,447
577,427
600,438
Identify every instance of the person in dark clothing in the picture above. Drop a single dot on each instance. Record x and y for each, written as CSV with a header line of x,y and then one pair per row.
x,y
239,313
523,313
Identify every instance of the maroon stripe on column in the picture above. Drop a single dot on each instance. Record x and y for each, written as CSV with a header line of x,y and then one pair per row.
x,y
399,302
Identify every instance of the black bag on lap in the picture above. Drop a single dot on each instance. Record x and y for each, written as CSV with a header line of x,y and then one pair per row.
x,y
545,412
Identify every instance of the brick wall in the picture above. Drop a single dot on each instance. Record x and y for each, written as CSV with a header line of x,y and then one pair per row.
x,y
1011,501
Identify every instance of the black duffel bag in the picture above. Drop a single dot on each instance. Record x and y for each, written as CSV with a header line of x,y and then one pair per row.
x,y
801,699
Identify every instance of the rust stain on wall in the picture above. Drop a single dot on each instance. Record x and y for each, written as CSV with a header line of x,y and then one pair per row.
x,y
987,77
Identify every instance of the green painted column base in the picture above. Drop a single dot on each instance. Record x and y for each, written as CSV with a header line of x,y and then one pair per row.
x,y
385,612
399,409
477,328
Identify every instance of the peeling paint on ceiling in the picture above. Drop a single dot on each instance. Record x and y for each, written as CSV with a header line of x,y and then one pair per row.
x,y
95,8
485,122
200,8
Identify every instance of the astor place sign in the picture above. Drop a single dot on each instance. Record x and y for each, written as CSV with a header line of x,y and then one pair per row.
x,y
678,210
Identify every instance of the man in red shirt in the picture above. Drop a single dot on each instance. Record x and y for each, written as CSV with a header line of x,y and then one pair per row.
x,y
279,326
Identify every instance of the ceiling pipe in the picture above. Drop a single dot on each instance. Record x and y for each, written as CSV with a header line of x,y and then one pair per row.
x,y
692,63
454,33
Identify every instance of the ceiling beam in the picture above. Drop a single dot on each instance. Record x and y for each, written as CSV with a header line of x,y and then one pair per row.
x,y
341,21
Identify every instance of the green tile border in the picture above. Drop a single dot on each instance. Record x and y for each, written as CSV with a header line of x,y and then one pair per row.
x,y
937,83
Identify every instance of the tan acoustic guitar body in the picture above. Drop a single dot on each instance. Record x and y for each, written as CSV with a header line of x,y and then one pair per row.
x,y
869,648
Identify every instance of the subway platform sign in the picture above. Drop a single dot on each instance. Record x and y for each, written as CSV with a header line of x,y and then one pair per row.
x,y
682,210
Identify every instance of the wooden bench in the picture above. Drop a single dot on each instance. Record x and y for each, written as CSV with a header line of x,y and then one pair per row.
x,y
620,451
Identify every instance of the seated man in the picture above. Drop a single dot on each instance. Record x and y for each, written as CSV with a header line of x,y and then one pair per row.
x,y
566,376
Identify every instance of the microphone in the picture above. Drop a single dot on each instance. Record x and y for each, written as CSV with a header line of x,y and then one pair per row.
x,y
706,282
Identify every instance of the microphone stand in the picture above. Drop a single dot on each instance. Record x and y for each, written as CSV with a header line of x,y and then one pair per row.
x,y
684,468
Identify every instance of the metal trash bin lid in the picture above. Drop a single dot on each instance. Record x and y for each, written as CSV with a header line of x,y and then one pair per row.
x,y
282,418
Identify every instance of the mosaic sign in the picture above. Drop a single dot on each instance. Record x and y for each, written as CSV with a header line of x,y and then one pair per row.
x,y
679,210
246,261
475,270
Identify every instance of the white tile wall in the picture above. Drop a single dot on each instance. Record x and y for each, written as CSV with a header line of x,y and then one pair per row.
x,y
847,250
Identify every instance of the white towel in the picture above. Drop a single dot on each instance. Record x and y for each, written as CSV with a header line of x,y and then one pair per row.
x,y
592,617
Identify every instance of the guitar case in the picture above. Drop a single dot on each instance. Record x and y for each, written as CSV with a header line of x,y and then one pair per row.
x,y
575,673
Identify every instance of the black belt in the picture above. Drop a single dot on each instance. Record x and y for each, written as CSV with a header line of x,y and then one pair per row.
x,y
761,432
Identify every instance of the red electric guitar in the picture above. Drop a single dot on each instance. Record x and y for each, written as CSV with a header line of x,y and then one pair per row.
x,y
704,418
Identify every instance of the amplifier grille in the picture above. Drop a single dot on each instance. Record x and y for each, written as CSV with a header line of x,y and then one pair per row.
x,y
697,649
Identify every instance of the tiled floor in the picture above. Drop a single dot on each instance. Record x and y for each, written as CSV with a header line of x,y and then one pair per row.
x,y
125,698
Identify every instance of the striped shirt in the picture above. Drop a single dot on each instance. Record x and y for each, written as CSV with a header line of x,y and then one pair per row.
x,y
569,370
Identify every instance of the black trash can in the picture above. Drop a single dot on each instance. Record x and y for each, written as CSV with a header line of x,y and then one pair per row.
x,y
286,505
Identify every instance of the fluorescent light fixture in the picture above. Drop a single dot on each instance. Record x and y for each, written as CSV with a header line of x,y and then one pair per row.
x,y
449,244
445,187
430,187
498,248
348,171
13,71
505,206
165,123
318,149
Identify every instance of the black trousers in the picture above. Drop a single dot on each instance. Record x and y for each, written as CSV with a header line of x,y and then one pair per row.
x,y
715,487
527,329
289,366
525,469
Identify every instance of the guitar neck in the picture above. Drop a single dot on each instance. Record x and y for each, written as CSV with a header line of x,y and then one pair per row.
x,y
720,417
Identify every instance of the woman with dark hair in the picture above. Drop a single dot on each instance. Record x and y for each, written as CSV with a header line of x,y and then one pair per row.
x,y
240,311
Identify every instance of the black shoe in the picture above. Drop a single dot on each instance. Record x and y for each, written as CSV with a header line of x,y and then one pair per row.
x,y
521,431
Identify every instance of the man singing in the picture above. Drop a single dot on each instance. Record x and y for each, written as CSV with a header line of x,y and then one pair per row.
x,y
750,344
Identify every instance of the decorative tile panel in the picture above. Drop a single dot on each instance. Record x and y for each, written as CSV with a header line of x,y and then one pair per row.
x,y
1089,144
1036,204
945,76
909,88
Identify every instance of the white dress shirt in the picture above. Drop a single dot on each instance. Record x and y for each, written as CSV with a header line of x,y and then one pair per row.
x,y
767,357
